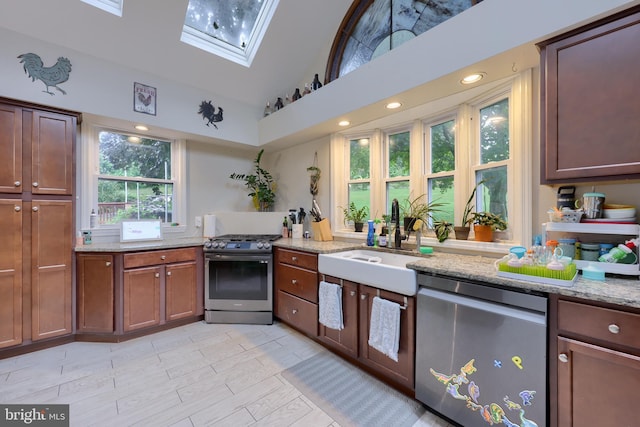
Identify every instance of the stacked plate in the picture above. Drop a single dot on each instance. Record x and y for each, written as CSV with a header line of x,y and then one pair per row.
x,y
617,213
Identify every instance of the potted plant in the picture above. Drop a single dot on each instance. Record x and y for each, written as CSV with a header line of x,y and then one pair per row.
x,y
462,231
412,210
442,229
261,185
485,223
356,215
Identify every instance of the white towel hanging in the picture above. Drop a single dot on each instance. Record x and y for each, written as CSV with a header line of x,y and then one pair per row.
x,y
384,331
330,305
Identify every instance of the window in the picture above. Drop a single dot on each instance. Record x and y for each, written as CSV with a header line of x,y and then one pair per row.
x,y
130,176
111,6
451,145
359,173
374,27
232,29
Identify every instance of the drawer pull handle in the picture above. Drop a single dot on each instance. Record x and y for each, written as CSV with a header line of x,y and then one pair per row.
x,y
17,208
17,183
168,273
163,257
294,282
294,311
35,209
363,297
294,258
108,263
157,274
35,184
563,357
614,329
352,293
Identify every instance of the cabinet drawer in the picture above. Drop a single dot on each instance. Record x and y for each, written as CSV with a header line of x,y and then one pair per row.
x,y
599,323
297,281
299,259
140,259
297,312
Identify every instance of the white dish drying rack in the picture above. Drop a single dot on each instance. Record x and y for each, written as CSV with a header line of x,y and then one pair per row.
x,y
626,231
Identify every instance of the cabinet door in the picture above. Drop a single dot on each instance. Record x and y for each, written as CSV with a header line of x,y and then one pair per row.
x,y
52,153
402,371
10,149
345,340
596,386
51,260
10,273
95,293
141,297
590,103
180,290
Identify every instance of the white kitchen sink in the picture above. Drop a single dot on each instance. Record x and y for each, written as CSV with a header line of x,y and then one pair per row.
x,y
382,270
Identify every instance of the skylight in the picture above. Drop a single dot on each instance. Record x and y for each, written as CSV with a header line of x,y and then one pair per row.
x,y
111,6
231,29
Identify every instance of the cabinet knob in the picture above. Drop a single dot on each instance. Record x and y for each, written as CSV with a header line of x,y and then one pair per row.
x,y
563,358
35,209
294,282
294,258
17,183
614,329
107,264
352,293
168,273
35,184
363,297
294,311
157,274
17,208
163,257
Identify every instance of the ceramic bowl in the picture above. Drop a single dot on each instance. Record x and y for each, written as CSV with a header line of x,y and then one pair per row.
x,y
619,211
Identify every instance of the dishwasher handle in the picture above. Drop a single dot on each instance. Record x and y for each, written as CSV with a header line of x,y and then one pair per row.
x,y
483,305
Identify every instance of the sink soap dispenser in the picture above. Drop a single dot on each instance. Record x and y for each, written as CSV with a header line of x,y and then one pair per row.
x,y
371,233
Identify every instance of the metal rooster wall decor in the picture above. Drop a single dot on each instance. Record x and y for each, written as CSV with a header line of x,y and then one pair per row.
x,y
50,76
208,112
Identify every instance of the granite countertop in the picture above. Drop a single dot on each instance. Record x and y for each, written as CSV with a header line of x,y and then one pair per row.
x,y
614,290
141,246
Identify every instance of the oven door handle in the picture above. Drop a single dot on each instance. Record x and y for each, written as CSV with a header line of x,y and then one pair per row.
x,y
237,257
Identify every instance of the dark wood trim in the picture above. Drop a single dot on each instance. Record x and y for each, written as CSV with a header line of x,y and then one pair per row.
x,y
32,106
114,338
35,346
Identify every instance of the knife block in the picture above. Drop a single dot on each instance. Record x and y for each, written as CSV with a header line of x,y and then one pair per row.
x,y
321,230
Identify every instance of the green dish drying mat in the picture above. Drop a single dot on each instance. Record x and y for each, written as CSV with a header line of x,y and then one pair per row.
x,y
540,274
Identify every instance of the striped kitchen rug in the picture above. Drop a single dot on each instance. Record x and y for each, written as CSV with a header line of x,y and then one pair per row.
x,y
351,396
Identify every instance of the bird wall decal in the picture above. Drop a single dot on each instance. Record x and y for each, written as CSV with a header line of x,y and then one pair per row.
x,y
208,112
50,76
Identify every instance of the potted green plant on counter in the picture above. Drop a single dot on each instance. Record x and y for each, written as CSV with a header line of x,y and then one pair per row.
x,y
355,215
462,231
485,223
417,208
261,185
442,229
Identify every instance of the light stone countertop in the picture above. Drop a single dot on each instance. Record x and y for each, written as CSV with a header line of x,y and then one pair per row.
x,y
615,290
141,246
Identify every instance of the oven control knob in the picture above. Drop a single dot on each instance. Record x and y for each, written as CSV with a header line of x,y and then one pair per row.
x,y
259,245
208,245
215,244
266,245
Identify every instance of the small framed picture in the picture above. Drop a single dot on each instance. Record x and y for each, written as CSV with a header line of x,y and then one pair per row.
x,y
144,99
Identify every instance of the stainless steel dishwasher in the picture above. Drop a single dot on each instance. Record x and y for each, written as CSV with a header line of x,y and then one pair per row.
x,y
481,353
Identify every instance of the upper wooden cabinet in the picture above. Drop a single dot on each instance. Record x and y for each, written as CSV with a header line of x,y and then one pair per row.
x,y
10,149
589,101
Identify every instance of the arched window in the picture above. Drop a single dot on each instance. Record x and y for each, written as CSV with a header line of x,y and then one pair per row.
x,y
373,27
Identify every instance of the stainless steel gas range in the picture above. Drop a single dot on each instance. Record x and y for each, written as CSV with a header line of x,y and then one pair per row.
x,y
239,278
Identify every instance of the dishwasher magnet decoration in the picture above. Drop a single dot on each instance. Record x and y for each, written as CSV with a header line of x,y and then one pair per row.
x,y
493,412
51,76
208,112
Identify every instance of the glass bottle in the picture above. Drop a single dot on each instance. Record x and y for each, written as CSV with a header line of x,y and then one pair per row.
x,y
315,85
267,109
307,90
296,95
278,105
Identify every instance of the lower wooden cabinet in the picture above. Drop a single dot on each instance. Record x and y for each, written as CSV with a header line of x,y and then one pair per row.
x,y
345,340
11,273
121,293
597,365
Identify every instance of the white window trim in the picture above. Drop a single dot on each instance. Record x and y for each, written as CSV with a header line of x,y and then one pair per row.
x,y
90,171
519,90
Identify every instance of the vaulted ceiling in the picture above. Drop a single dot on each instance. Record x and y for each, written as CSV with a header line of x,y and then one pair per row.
x,y
147,37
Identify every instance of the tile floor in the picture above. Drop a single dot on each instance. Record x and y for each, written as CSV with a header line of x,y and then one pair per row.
x,y
195,375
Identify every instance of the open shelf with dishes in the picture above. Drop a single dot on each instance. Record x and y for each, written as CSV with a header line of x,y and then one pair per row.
x,y
626,231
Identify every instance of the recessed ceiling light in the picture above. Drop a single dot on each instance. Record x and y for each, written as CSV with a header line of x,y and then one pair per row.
x,y
393,105
472,78
141,127
134,139
344,123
